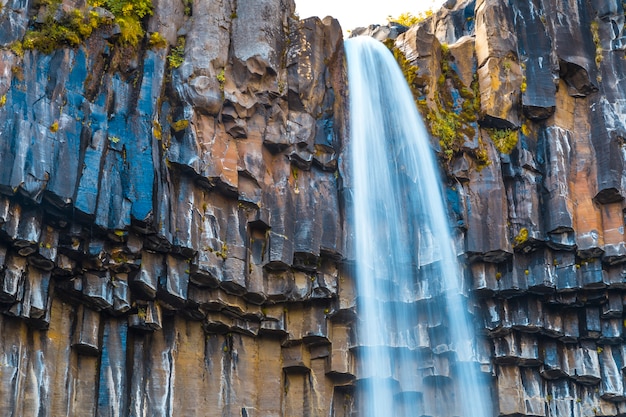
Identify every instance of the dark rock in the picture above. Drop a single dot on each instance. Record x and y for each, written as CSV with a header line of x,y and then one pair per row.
x,y
86,334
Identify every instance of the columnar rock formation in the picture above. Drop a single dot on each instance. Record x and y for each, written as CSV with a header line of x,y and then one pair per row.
x,y
170,219
526,103
173,237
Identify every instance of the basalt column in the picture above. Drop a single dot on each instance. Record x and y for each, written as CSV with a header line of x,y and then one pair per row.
x,y
171,232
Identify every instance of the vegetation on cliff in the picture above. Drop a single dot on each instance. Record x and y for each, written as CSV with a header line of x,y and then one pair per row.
x,y
56,26
451,111
408,19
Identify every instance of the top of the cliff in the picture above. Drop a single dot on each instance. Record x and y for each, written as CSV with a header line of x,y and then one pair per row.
x,y
356,13
448,22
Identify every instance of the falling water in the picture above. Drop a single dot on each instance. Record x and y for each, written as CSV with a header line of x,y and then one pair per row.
x,y
413,319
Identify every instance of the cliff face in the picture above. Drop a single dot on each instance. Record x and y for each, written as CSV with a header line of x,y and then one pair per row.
x,y
173,238
525,101
169,213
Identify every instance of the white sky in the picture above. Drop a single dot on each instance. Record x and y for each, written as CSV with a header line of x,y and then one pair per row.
x,y
355,13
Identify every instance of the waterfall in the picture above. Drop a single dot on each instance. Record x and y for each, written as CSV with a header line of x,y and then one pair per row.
x,y
415,340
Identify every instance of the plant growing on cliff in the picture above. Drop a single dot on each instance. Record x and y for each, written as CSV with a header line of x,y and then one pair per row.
x,y
128,16
130,8
177,54
59,28
156,40
408,19
221,78
505,140
452,111
444,125
188,7
595,35
69,29
409,70
521,237
180,125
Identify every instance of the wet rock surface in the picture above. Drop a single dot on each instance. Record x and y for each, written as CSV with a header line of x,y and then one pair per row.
x,y
541,222
175,239
170,231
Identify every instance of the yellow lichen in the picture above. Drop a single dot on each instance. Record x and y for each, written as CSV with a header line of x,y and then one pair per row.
x,y
142,313
180,125
595,35
156,130
521,237
525,129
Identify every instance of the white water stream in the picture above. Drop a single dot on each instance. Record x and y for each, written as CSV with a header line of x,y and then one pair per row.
x,y
415,337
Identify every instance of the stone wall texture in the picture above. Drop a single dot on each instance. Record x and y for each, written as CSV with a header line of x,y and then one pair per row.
x,y
174,239
536,184
171,237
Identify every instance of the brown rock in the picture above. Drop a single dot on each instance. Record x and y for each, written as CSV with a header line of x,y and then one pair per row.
x,y
500,80
495,34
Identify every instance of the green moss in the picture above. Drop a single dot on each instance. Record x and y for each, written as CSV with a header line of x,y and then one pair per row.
x,y
450,118
505,140
70,30
17,48
223,253
221,78
74,27
507,66
409,70
177,54
480,155
131,31
128,15
156,40
445,125
445,51
188,4
135,8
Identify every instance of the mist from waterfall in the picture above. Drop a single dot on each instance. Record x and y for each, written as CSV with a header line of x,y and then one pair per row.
x,y
415,337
